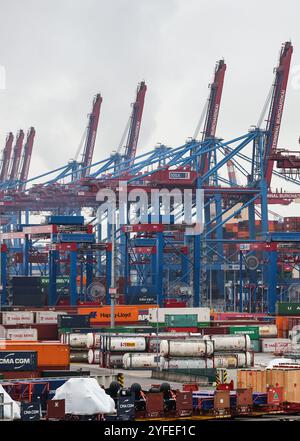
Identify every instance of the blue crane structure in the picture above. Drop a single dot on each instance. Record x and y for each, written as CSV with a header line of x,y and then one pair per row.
x,y
161,255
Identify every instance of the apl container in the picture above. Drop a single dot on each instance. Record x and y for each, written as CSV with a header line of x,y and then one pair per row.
x,y
197,348
288,308
143,361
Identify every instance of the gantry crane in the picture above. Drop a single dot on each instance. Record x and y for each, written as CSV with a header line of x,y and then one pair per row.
x,y
135,123
91,135
6,157
26,158
16,159
276,109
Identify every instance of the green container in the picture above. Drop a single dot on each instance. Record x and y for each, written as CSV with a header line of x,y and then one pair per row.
x,y
181,320
256,345
252,331
288,308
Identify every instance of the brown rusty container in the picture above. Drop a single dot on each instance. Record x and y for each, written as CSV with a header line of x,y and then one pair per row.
x,y
13,375
184,403
244,397
222,400
154,405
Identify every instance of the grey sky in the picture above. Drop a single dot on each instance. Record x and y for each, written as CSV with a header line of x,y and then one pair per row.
x,y
59,53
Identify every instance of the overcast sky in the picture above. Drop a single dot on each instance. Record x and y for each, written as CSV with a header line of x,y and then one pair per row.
x,y
58,54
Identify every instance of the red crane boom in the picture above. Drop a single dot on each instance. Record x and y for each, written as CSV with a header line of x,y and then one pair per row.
x,y
212,114
6,157
135,124
276,108
91,134
16,156
26,159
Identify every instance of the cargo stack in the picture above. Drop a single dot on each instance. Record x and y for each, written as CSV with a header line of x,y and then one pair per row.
x,y
28,291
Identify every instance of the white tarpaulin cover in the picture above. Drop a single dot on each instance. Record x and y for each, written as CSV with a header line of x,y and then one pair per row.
x,y
7,409
84,396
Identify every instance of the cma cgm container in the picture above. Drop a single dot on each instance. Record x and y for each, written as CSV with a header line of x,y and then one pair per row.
x,y
159,315
50,355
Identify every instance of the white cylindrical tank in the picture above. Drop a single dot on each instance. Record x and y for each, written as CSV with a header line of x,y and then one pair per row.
x,y
93,340
188,363
125,344
143,361
79,356
196,348
94,356
242,359
229,342
76,340
266,331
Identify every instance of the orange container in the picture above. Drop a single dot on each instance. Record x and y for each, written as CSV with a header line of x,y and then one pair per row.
x,y
123,313
50,355
252,378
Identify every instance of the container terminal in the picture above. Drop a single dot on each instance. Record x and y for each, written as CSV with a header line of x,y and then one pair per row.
x,y
153,286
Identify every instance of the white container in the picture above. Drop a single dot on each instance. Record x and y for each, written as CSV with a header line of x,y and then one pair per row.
x,y
267,331
243,359
94,356
200,348
17,318
188,363
22,334
230,342
276,345
76,340
158,314
93,340
49,317
125,344
143,361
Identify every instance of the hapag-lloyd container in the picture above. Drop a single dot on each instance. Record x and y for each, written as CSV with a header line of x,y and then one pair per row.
x,y
17,318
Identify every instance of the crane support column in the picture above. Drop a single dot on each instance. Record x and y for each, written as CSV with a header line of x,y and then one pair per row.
x,y
3,278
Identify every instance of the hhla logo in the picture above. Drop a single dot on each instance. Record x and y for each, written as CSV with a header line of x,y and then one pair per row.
x,y
152,206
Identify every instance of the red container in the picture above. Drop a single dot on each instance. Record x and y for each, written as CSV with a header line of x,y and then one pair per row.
x,y
174,304
18,375
44,331
193,330
217,330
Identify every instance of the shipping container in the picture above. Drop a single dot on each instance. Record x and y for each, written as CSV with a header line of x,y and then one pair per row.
x,y
252,331
17,318
230,342
181,320
158,314
143,361
288,308
50,354
124,314
200,348
73,321
21,334
276,345
48,317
